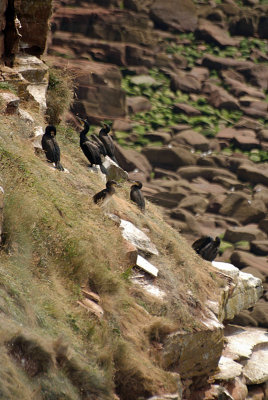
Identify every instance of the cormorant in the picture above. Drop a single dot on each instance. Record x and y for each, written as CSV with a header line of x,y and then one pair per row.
x,y
51,147
89,148
137,196
105,195
107,142
206,247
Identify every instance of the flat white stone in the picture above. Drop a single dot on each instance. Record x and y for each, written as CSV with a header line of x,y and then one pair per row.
x,y
226,268
146,266
241,341
114,172
137,238
256,368
229,369
25,116
38,92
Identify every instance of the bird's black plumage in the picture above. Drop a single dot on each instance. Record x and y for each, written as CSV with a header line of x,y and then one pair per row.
x,y
89,148
206,247
99,144
51,147
137,196
107,142
105,195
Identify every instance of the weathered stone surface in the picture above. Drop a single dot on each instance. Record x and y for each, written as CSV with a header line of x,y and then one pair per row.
x,y
92,307
260,248
188,353
131,254
175,16
238,206
243,259
220,98
185,109
245,233
246,142
114,172
10,102
158,136
192,139
226,133
168,158
244,319
255,369
248,123
195,204
185,81
131,160
263,225
213,33
167,199
228,369
252,174
217,63
260,314
137,237
137,104
239,89
245,294
193,172
188,223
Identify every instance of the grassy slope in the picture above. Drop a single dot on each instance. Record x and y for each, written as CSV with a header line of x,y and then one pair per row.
x,y
55,241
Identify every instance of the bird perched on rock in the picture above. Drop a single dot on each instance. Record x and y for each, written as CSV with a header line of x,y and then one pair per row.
x,y
89,148
51,147
206,247
136,195
105,195
107,141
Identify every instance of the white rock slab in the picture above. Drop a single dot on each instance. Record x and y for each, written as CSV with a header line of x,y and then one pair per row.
x,y
229,369
256,368
138,238
146,266
241,341
227,269
25,116
114,172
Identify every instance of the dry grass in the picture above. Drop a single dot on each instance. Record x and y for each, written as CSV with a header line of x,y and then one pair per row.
x,y
55,240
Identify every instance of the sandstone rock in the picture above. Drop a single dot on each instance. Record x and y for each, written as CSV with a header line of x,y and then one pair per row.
x,y
245,233
175,16
257,74
243,259
238,206
226,133
184,82
200,73
246,142
248,123
253,174
137,104
244,295
255,393
218,63
188,353
195,204
255,272
229,183
158,136
259,247
213,33
25,116
189,223
239,89
193,139
137,237
131,254
263,225
237,389
244,319
260,314
228,369
131,160
255,369
193,172
263,135
168,158
144,80
167,199
91,295
185,109
114,172
10,101
220,98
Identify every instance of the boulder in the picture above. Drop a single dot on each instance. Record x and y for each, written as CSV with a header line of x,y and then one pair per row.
x,y
245,233
207,173
255,369
252,174
137,238
177,16
158,136
188,221
168,199
238,206
114,172
245,293
263,135
131,160
248,123
185,82
259,247
254,272
200,73
245,141
212,33
192,139
137,104
213,62
263,225
226,134
260,314
244,319
228,369
168,158
185,109
239,89
220,98
9,102
243,259
195,204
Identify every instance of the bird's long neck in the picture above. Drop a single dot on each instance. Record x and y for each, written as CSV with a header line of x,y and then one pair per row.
x,y
83,133
139,185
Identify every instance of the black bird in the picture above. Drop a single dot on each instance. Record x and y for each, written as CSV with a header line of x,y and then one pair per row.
x,y
99,144
51,147
107,142
137,196
105,195
89,148
206,247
